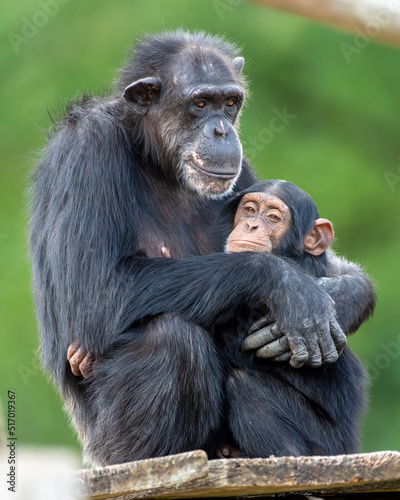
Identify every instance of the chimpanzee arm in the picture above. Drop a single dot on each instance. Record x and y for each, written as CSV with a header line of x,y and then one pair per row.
x,y
212,288
355,299
352,291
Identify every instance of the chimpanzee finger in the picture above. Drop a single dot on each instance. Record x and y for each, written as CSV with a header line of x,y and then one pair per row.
x,y
86,366
338,337
258,324
283,357
314,352
327,346
299,352
261,337
275,348
72,350
76,360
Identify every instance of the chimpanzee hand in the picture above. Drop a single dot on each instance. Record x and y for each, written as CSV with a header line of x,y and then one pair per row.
x,y
264,335
310,342
82,362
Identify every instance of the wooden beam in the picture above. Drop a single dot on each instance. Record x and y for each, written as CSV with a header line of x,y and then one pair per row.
x,y
162,477
145,475
367,19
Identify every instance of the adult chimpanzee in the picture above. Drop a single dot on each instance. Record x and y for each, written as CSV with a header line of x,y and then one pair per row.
x,y
272,408
121,179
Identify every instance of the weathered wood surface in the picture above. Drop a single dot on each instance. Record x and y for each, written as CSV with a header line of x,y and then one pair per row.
x,y
162,478
372,19
146,475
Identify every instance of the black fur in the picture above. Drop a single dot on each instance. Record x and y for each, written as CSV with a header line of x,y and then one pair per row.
x,y
110,191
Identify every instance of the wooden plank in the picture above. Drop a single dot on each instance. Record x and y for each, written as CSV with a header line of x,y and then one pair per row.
x,y
367,19
145,475
370,472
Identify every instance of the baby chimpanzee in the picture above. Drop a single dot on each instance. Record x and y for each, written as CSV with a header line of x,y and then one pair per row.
x,y
272,408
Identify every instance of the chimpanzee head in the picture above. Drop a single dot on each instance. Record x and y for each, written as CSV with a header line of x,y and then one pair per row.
x,y
279,217
187,92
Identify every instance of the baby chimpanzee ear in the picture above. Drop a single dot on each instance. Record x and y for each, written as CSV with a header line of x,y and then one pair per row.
x,y
319,238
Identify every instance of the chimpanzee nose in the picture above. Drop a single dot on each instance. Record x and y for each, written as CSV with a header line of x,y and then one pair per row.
x,y
221,129
252,224
217,128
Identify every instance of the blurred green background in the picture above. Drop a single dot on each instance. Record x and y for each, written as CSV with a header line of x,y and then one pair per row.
x,y
340,142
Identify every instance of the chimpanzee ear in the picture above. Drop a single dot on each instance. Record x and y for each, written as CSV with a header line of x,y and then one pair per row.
x,y
142,93
238,64
319,238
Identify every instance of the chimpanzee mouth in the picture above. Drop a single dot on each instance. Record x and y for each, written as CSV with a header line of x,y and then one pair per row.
x,y
219,175
195,161
246,242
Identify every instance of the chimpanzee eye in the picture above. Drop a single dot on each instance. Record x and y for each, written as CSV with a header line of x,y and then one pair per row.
x,y
201,103
250,210
231,102
274,217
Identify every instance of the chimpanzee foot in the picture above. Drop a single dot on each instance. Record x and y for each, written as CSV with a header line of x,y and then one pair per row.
x,y
228,451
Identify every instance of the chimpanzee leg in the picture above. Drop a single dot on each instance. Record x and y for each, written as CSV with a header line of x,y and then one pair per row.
x,y
159,394
280,410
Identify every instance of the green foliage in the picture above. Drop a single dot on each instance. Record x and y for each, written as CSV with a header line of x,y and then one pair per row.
x,y
341,144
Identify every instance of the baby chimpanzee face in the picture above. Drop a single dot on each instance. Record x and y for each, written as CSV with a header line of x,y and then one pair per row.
x,y
261,221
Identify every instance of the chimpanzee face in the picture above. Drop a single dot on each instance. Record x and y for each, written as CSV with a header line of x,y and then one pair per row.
x,y
211,153
211,162
261,221
192,113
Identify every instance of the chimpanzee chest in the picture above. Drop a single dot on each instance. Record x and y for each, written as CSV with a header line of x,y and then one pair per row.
x,y
185,233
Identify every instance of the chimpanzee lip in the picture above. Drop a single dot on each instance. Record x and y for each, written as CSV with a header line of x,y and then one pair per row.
x,y
246,241
214,174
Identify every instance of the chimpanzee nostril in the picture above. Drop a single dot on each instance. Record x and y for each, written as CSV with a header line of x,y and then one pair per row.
x,y
217,128
220,129
252,224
